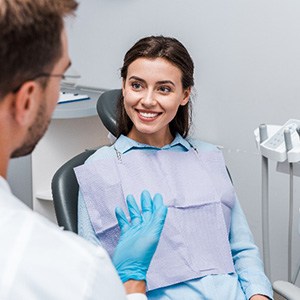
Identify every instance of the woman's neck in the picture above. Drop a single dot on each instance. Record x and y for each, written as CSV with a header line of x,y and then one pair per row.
x,y
156,140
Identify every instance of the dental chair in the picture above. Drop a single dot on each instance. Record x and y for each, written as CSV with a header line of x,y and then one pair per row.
x,y
64,184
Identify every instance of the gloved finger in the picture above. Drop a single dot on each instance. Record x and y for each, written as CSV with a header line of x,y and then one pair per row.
x,y
146,204
134,211
122,220
157,201
159,217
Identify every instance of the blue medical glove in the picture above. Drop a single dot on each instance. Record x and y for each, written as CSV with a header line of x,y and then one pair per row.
x,y
139,238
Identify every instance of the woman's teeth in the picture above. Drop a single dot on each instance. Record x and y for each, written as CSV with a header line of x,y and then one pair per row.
x,y
148,114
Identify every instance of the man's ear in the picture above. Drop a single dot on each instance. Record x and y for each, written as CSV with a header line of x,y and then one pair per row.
x,y
186,96
25,102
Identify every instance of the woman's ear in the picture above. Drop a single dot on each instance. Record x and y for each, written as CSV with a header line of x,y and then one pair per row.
x,y
186,96
25,103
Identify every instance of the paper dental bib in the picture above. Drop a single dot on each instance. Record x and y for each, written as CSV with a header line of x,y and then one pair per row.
x,y
199,195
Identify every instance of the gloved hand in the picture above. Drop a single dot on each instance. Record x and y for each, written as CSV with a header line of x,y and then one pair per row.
x,y
139,238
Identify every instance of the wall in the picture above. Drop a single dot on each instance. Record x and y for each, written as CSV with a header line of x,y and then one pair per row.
x,y
247,57
19,178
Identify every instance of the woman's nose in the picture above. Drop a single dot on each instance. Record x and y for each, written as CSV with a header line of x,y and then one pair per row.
x,y
148,99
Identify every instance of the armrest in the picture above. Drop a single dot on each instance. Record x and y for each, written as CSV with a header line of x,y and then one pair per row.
x,y
286,290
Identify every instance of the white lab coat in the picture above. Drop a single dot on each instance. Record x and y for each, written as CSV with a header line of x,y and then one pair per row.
x,y
40,261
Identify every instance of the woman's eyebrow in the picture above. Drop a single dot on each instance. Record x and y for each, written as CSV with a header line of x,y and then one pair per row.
x,y
158,82
166,82
136,78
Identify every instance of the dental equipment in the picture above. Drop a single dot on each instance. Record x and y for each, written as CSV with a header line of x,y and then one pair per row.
x,y
263,135
281,144
289,146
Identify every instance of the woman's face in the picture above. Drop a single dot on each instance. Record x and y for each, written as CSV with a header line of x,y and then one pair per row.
x,y
152,94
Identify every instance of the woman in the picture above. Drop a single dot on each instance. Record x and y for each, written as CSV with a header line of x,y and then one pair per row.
x,y
206,250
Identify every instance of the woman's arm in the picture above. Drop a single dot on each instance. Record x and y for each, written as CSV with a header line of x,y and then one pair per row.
x,y
246,257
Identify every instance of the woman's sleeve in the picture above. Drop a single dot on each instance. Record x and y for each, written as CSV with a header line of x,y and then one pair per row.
x,y
85,228
246,257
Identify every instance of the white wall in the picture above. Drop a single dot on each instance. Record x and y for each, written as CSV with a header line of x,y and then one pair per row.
x,y
247,57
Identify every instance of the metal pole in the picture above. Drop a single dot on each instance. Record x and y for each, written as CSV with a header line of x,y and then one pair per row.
x,y
290,235
265,216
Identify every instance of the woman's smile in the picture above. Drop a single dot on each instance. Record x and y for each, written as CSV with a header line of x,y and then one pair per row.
x,y
148,116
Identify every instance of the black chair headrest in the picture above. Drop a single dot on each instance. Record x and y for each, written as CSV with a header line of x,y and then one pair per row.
x,y
107,109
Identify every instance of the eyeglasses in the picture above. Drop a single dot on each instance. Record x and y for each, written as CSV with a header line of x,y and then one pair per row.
x,y
67,79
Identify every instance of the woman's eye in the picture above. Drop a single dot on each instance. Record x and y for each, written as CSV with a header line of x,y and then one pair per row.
x,y
165,89
136,85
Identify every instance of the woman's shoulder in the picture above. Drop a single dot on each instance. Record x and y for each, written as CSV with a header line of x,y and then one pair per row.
x,y
202,145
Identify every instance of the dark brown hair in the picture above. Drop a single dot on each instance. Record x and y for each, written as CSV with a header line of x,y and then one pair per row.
x,y
30,38
173,51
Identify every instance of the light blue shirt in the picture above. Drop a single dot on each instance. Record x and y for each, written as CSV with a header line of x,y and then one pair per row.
x,y
249,278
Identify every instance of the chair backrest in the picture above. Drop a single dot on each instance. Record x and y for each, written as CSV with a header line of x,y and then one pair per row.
x,y
64,183
107,109
65,191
